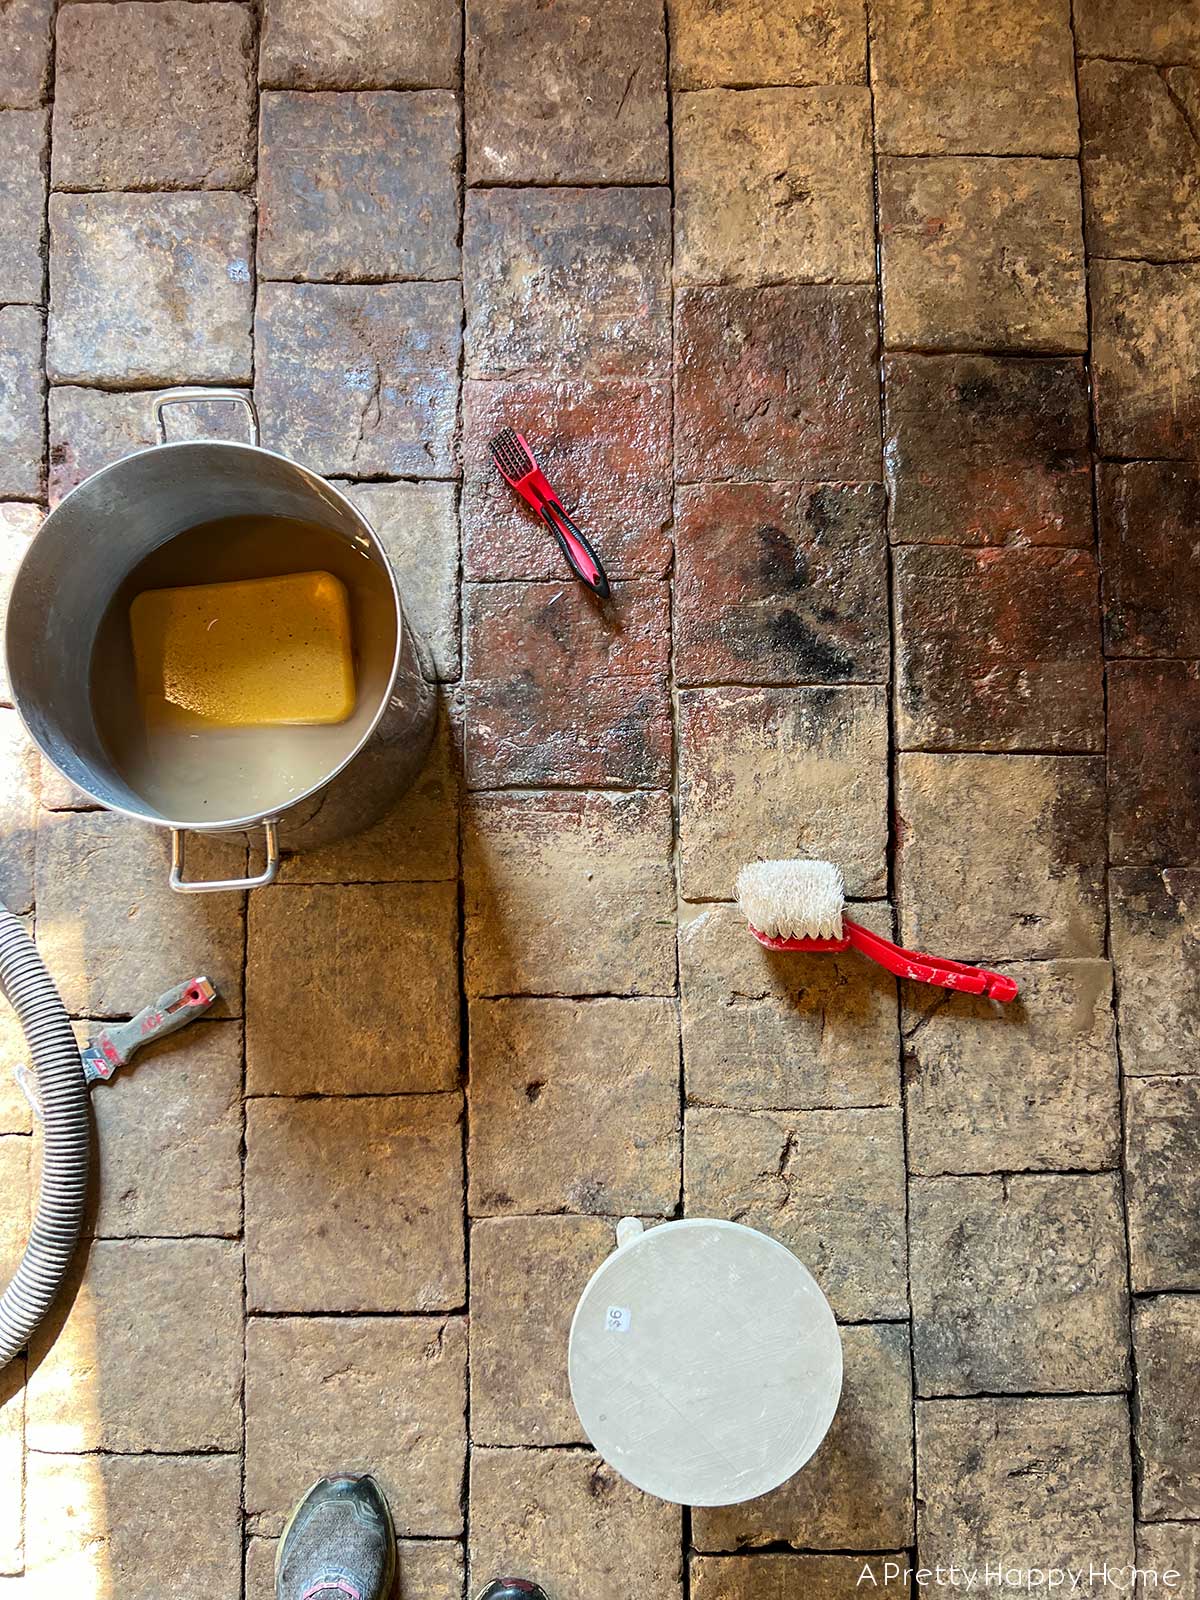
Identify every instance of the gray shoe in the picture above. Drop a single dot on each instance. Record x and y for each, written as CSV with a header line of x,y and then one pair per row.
x,y
339,1544
512,1589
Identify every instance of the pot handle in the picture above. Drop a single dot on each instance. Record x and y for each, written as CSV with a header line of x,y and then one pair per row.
x,y
214,885
193,395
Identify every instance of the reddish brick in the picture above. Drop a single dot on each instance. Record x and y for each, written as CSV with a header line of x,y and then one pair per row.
x,y
154,96
1140,174
781,583
360,380
25,60
569,93
1153,776
1149,513
1145,357
604,444
381,44
982,450
983,252
358,186
23,205
567,282
777,383
562,688
998,650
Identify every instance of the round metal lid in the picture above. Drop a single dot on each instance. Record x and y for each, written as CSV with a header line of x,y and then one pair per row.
x,y
705,1363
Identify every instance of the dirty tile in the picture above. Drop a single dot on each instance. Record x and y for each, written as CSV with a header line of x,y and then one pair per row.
x,y
385,1395
566,94
154,96
857,1491
12,1474
378,44
19,767
1140,173
417,840
562,689
828,1184
786,1577
90,428
427,1569
591,1533
776,383
997,649
149,288
417,524
982,251
169,1135
19,521
1166,1547
774,185
1029,885
1148,30
974,79
1166,1338
571,283
342,1031
543,1071
1162,1181
766,42
769,1030
91,1386
110,928
604,444
25,67
987,450
1148,513
539,867
360,380
15,1175
16,1114
769,773
1003,1088
527,1274
390,1236
780,583
358,186
1153,781
22,388
97,1525
1154,925
1055,1469
1018,1284
1145,363
23,201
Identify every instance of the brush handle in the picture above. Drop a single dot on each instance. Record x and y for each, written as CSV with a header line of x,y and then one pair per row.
x,y
581,558
937,970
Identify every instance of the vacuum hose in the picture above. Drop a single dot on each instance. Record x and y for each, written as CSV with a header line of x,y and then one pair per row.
x,y
63,1092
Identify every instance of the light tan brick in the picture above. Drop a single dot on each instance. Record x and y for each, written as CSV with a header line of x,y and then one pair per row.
x,y
19,781
1155,929
1166,1340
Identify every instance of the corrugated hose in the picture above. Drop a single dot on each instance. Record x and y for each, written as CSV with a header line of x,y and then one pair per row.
x,y
63,1092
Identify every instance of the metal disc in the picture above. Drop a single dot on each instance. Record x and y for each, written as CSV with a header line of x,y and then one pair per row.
x,y
705,1363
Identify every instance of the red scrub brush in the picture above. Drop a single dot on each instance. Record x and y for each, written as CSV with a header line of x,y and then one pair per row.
x,y
515,463
797,905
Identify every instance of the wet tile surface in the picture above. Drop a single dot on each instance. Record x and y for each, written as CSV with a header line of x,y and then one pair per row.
x,y
902,577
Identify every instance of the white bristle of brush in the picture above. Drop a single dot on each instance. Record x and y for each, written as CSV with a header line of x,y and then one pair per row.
x,y
792,899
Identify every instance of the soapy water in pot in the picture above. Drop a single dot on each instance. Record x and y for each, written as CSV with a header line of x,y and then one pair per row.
x,y
206,733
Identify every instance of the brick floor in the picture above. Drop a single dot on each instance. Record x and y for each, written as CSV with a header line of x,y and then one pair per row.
x,y
903,574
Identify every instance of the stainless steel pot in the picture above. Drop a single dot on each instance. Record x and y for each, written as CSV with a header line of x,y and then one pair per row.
x,y
95,538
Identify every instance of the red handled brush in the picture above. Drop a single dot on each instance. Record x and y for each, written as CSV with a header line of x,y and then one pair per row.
x,y
797,905
516,464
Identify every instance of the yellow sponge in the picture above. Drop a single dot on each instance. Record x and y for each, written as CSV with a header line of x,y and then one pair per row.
x,y
257,652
